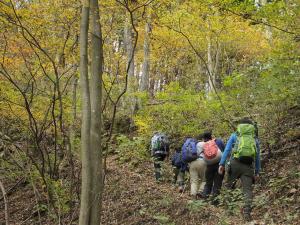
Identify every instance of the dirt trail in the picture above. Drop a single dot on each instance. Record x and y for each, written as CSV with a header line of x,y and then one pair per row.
x,y
133,197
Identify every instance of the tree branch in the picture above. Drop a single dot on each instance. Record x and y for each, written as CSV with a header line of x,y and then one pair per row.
x,y
228,120
257,21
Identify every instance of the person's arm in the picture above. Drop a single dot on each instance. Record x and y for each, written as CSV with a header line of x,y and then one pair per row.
x,y
228,149
257,158
199,147
220,144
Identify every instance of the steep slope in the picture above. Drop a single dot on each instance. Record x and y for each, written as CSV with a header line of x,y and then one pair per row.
x,y
133,197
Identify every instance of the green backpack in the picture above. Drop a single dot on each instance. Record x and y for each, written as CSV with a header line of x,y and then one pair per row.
x,y
245,147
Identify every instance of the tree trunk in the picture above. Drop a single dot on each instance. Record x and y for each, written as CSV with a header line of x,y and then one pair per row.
x,y
269,33
91,192
85,207
74,114
96,117
129,46
152,87
216,70
132,82
210,72
146,64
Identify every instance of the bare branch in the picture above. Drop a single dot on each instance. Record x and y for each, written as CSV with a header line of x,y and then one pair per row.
x,y
126,81
257,21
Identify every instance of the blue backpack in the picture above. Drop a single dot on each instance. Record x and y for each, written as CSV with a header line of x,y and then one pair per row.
x,y
177,159
189,150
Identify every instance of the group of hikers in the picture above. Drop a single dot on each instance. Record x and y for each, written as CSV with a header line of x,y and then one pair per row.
x,y
205,159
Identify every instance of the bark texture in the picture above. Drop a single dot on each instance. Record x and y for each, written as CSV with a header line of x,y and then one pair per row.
x,y
146,64
86,117
91,92
96,119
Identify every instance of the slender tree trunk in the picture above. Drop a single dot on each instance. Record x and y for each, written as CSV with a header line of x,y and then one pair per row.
x,y
210,72
152,87
146,64
96,118
85,207
91,192
129,46
74,113
131,101
269,33
216,70
70,145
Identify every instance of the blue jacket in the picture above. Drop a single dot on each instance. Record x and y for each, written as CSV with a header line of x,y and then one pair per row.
x,y
178,162
220,144
229,147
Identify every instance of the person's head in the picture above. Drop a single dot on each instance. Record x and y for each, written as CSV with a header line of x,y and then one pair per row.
x,y
245,120
207,135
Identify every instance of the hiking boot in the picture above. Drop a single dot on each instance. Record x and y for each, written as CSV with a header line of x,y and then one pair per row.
x,y
200,195
194,197
180,189
246,214
158,176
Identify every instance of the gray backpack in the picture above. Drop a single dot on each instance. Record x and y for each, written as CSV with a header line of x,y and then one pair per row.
x,y
159,143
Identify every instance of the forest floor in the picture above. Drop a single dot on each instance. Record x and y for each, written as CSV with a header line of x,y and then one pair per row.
x,y
132,196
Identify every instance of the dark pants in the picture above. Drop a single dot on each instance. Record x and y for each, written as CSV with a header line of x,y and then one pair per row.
x,y
158,159
244,172
213,180
178,176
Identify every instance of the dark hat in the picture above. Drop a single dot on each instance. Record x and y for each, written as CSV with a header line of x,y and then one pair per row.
x,y
207,135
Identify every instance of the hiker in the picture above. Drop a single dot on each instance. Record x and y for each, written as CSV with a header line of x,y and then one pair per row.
x,y
192,154
246,152
212,153
179,169
159,151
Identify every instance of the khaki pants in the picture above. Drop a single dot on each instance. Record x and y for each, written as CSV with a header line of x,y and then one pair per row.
x,y
197,175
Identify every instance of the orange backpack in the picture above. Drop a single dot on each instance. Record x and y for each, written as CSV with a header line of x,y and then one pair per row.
x,y
210,149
